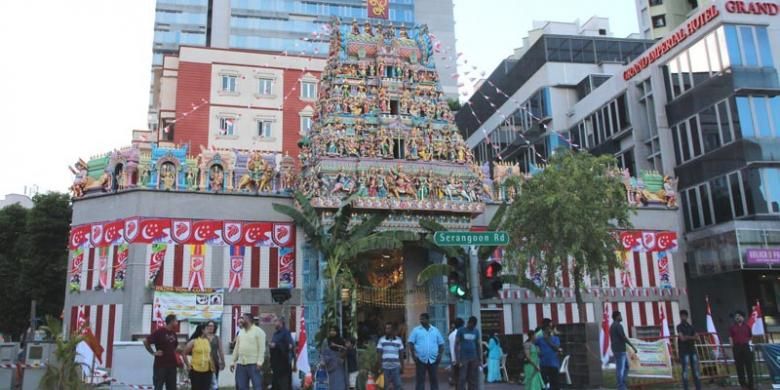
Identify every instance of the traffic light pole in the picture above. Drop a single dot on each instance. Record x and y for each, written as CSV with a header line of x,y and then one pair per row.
x,y
475,306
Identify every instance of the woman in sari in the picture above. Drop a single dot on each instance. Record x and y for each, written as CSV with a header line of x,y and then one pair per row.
x,y
495,353
532,373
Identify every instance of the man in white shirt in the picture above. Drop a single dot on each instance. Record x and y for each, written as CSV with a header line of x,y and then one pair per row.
x,y
453,357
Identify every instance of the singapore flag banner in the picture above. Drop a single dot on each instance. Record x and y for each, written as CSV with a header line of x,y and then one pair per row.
x,y
714,339
606,351
756,320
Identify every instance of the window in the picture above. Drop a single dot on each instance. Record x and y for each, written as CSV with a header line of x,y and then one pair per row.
x,y
625,160
308,90
227,126
721,200
656,2
264,129
229,83
749,46
704,132
659,21
705,59
770,187
306,123
265,86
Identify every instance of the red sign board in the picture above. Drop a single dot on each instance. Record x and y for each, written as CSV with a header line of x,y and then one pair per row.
x,y
379,9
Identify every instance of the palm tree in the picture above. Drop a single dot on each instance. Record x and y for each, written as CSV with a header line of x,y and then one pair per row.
x,y
63,373
340,243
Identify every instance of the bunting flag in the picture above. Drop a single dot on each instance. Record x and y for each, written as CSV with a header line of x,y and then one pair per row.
x,y
606,351
302,350
625,273
120,265
197,262
664,276
713,333
75,270
236,314
158,317
156,261
756,320
103,268
236,267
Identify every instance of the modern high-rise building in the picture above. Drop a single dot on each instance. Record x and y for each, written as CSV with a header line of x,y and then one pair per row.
x,y
293,26
658,17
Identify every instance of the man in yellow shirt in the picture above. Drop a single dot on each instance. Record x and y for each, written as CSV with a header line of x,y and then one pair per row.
x,y
248,354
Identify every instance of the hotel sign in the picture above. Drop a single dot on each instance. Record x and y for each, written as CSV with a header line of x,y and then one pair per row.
x,y
670,42
752,8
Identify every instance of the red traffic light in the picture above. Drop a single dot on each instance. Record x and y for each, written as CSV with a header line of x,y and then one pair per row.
x,y
492,270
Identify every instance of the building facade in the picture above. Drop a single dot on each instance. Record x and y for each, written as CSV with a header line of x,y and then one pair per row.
x,y
286,26
224,98
523,112
699,105
658,18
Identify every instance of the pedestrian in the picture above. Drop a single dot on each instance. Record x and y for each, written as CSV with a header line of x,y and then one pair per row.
x,y
741,335
333,353
451,338
248,354
468,346
549,347
426,346
390,348
202,368
618,340
686,347
352,366
532,373
494,355
281,346
165,363
217,354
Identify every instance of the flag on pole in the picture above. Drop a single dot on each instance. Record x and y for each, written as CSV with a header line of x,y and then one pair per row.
x,y
606,351
714,339
756,320
302,350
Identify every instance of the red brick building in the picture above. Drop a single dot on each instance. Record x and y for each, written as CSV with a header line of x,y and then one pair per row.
x,y
237,99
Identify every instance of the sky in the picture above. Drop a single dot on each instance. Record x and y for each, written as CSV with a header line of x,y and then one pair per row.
x,y
76,73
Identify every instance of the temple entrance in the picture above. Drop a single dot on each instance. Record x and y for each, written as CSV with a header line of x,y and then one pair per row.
x,y
388,292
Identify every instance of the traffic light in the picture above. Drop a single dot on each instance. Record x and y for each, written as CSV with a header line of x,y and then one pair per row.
x,y
456,282
491,279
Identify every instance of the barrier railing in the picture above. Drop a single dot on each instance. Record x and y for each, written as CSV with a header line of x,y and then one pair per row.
x,y
716,364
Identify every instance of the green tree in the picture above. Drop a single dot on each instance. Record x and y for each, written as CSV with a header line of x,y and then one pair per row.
x,y
33,259
569,211
64,373
340,242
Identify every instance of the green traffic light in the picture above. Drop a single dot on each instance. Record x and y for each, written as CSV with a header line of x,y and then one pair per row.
x,y
457,290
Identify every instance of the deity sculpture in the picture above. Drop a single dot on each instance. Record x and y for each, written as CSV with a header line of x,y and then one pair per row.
x,y
216,178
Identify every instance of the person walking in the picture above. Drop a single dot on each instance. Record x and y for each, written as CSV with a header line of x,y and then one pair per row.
x,y
390,348
618,341
165,343
333,353
468,346
495,353
531,370
686,347
426,346
549,347
281,345
202,367
454,376
248,354
741,334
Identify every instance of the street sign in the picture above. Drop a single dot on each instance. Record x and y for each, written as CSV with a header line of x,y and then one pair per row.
x,y
471,238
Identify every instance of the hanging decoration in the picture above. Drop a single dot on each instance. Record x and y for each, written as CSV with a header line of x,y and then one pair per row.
x,y
197,265
75,270
120,265
286,267
664,276
236,267
156,261
103,268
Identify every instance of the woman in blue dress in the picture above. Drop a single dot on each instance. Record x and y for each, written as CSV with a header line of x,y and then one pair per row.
x,y
495,353
333,353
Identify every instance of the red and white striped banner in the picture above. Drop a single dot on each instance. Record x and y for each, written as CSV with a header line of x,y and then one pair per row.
x,y
197,264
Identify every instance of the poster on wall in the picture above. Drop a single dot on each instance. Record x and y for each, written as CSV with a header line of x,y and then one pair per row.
x,y
188,305
651,360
